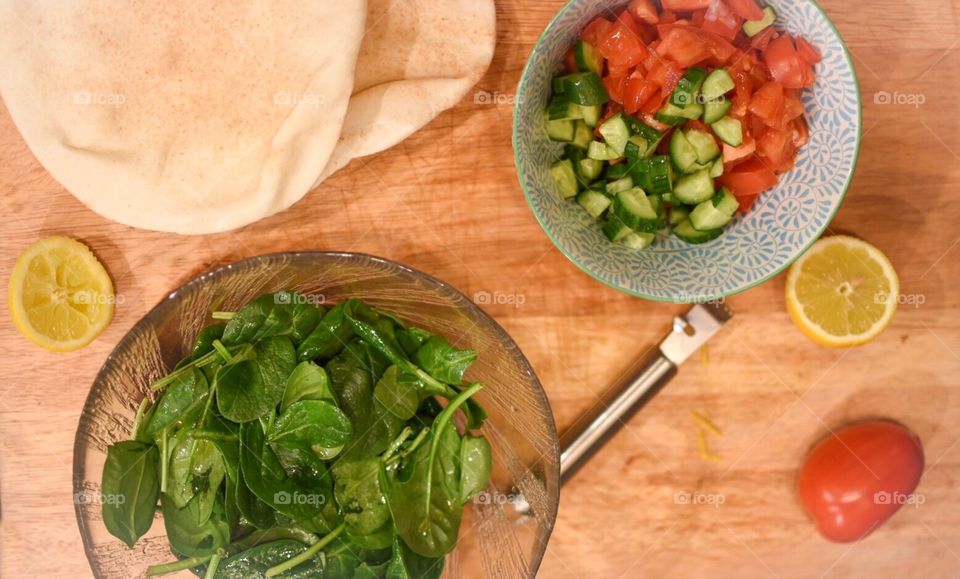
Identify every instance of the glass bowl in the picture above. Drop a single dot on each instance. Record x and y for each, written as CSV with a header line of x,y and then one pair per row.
x,y
498,538
783,222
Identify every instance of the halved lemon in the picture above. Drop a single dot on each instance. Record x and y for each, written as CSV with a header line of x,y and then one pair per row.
x,y
60,297
842,292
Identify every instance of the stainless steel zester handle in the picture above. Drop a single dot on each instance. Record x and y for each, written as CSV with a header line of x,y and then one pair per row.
x,y
619,404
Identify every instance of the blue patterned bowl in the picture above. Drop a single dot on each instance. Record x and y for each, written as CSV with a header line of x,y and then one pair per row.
x,y
759,244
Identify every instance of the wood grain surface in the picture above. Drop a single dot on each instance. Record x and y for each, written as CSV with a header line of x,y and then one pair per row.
x,y
447,201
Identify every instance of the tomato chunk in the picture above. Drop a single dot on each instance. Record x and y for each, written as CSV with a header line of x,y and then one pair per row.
x,y
684,5
644,11
751,177
746,9
622,46
807,52
596,31
784,64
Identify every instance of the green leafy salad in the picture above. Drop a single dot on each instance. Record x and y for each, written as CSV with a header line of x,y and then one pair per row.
x,y
296,441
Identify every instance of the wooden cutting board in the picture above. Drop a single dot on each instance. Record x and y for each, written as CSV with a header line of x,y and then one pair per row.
x,y
447,201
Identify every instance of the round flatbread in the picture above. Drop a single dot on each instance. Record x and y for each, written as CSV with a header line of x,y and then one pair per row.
x,y
418,59
181,116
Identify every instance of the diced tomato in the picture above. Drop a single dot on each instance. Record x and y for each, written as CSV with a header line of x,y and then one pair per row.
x,y
807,52
649,119
667,17
627,20
792,107
696,19
746,202
751,177
683,47
684,5
644,10
638,91
734,155
698,125
570,62
799,131
721,21
596,30
622,46
767,103
746,9
616,87
719,48
775,146
666,74
616,69
654,103
762,40
784,64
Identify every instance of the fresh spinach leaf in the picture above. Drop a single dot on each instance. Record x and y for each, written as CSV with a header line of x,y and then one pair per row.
x,y
443,361
204,343
252,384
188,392
407,564
283,313
476,462
131,487
196,471
307,498
353,374
307,382
399,392
410,339
189,539
357,490
424,496
311,423
254,562
329,337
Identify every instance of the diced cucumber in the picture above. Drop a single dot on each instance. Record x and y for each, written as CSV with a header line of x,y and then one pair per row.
x,y
593,202
562,131
560,109
588,58
636,148
693,111
638,127
685,231
678,214
615,172
654,175
634,209
716,109
584,88
715,212
616,133
590,169
754,27
728,130
582,135
657,203
717,169
695,188
638,240
717,84
615,230
565,178
669,114
682,152
685,93
706,148
601,152
557,85
591,114
624,184
668,198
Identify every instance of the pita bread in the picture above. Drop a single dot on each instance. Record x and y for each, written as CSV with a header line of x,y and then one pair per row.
x,y
418,59
188,117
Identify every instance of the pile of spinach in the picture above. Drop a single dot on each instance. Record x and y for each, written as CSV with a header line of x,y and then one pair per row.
x,y
299,442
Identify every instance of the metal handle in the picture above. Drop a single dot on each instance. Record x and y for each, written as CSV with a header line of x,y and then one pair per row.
x,y
623,400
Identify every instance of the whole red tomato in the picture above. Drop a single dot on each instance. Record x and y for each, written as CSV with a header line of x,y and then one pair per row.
x,y
859,476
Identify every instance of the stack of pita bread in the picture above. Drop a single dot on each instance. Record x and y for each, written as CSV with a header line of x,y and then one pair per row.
x,y
198,116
